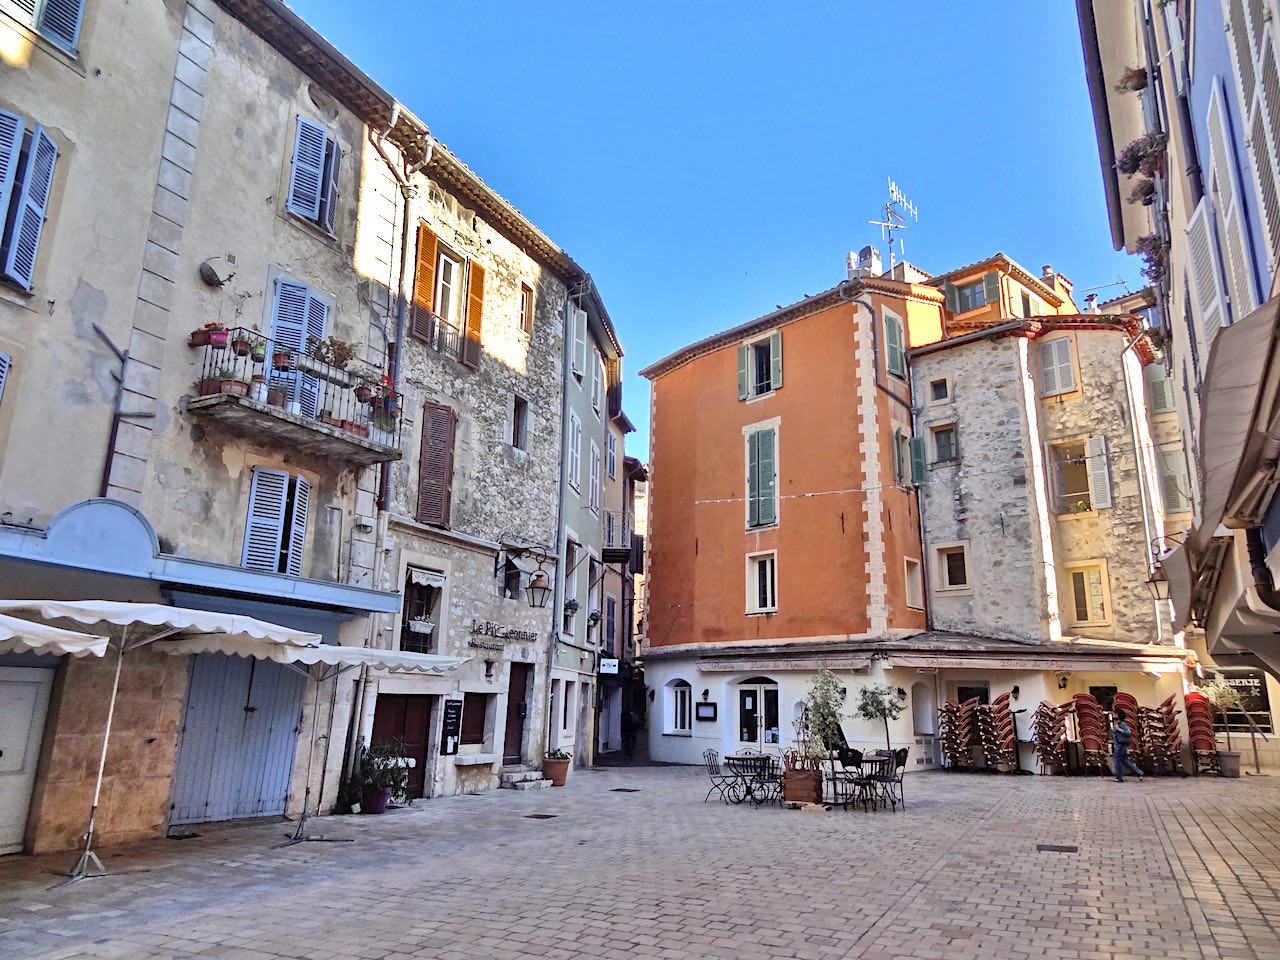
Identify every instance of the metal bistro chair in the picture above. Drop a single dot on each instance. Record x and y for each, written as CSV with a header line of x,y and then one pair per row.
x,y
721,783
889,778
848,784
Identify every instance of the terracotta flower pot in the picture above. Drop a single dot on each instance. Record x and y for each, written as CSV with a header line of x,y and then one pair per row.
x,y
359,429
237,388
363,393
282,360
375,799
198,338
557,771
330,420
241,346
209,386
277,398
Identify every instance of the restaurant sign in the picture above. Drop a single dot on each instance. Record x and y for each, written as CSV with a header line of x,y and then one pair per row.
x,y
487,628
1011,663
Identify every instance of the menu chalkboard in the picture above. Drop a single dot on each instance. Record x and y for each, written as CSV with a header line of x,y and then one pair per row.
x,y
451,733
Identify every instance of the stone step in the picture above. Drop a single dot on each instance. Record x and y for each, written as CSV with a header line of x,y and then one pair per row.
x,y
530,784
510,777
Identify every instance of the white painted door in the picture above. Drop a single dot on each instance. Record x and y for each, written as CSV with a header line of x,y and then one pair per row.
x,y
758,717
24,700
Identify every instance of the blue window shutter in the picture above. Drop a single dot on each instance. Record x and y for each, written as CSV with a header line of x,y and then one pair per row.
x,y
306,177
297,317
5,364
753,479
264,529
22,240
329,201
767,478
297,537
289,318
60,22
744,381
11,130
775,360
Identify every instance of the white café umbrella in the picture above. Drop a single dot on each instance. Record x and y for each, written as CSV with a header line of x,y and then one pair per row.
x,y
26,636
318,663
128,626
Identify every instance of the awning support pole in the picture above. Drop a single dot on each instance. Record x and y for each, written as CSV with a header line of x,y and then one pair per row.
x,y
300,834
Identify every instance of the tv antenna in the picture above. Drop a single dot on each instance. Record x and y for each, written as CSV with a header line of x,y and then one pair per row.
x,y
895,214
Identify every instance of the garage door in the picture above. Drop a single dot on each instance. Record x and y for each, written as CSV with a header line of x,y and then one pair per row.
x,y
239,737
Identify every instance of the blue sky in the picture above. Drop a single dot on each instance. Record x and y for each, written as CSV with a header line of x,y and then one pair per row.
x,y
709,160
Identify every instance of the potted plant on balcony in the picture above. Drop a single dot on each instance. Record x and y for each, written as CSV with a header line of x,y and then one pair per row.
x,y
258,390
241,342
817,734
1143,192
1144,155
327,359
326,416
382,773
593,618
354,426
382,427
212,334
571,607
555,766
1132,80
282,359
277,395
229,382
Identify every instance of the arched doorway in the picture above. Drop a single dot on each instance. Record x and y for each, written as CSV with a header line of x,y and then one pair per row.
x,y
923,714
758,726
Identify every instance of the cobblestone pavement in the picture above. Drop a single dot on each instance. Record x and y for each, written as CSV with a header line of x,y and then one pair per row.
x,y
1170,869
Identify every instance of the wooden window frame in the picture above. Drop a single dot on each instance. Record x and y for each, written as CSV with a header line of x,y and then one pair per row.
x,y
754,561
943,578
1082,567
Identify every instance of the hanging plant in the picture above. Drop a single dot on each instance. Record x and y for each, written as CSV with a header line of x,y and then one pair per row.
x,y
1153,251
1132,80
1144,155
1143,192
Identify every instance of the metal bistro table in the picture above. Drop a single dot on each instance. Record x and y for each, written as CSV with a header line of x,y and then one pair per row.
x,y
755,778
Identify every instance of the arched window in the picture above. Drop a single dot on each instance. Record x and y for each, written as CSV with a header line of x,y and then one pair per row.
x,y
680,712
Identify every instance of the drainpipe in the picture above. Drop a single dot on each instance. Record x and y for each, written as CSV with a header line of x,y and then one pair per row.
x,y
1263,583
1140,454
408,191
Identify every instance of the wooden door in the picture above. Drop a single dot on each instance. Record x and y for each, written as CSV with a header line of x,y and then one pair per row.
x,y
517,710
24,698
406,717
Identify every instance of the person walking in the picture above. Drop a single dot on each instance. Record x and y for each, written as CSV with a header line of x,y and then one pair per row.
x,y
630,728
1121,736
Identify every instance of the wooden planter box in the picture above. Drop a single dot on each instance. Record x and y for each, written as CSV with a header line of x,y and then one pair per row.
x,y
802,786
359,429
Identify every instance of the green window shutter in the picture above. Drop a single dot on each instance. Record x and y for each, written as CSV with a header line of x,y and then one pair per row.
x,y
917,460
894,361
744,380
1159,389
753,479
775,359
991,287
953,298
767,478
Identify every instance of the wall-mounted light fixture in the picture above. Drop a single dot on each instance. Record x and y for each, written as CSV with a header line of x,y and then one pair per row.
x,y
706,695
1013,694
902,694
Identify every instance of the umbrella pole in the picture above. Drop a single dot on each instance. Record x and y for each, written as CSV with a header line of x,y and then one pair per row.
x,y
300,834
88,859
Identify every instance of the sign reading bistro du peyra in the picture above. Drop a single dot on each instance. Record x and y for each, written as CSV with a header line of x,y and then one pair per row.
x,y
483,630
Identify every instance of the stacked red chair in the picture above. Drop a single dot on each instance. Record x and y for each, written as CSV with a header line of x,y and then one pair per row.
x,y
1127,704
1091,728
1204,739
959,733
995,733
1050,725
1161,737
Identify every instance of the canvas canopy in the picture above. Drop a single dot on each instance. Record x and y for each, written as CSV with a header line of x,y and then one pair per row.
x,y
321,655
26,636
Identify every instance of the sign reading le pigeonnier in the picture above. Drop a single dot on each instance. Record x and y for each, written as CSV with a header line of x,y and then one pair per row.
x,y
487,628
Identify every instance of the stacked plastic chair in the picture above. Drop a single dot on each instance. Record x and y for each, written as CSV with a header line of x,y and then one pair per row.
x,y
1050,724
1204,740
1091,728
995,733
1161,737
959,730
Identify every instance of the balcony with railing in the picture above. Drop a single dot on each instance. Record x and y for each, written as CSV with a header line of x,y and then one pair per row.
x,y
271,390
617,537
435,332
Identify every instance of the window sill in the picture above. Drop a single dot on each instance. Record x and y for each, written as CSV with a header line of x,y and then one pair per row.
x,y
474,759
953,591
679,733
762,528
1064,395
762,613
10,292
1091,624
760,396
312,227
917,607
1077,515
953,462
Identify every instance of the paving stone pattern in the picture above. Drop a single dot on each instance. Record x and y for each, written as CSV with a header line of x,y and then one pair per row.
x,y
1170,869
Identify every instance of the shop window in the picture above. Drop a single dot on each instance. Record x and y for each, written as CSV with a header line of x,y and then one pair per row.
x,y
981,694
420,621
475,709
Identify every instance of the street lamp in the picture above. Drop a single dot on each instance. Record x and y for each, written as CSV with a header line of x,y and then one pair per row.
x,y
539,589
1158,582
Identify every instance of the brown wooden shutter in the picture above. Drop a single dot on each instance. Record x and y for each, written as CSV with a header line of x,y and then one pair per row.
x,y
424,285
435,464
475,316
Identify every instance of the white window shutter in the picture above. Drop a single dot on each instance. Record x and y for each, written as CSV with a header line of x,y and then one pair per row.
x,y
1202,250
596,368
1174,485
264,528
60,22
22,240
5,364
1226,185
575,450
11,130
594,477
578,329
297,536
1098,455
306,175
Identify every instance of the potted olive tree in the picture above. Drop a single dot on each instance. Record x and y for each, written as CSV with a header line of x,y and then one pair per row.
x,y
1223,697
879,701
383,772
817,734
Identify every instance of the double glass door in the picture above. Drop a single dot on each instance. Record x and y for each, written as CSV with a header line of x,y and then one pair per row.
x,y
758,715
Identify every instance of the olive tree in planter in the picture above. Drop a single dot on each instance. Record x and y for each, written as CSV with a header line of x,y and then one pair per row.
x,y
1223,697
879,701
817,734
383,773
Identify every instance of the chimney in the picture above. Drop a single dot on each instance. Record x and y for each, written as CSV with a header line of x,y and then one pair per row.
x,y
851,265
1047,270
1091,304
865,263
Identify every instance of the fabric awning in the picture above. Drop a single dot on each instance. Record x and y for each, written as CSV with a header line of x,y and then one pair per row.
x,y
1177,570
1228,402
426,578
1028,664
328,654
166,620
25,636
